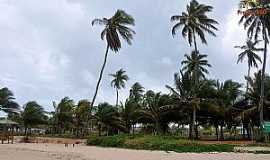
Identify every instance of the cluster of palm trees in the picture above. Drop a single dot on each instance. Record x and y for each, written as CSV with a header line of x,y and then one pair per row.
x,y
193,24
193,100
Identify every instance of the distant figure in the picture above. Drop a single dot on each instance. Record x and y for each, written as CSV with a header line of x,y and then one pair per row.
x,y
73,145
66,144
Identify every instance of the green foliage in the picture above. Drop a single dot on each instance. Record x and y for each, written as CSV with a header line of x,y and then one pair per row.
x,y
119,79
108,141
107,117
116,27
165,143
64,114
33,114
7,103
195,22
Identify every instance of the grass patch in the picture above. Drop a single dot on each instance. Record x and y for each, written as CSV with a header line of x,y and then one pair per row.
x,y
164,143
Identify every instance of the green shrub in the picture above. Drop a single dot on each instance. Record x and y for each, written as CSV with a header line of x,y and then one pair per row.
x,y
165,143
108,141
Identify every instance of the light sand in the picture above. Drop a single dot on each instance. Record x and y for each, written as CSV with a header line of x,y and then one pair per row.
x,y
80,152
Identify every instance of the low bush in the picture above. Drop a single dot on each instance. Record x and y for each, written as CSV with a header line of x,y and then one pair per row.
x,y
165,143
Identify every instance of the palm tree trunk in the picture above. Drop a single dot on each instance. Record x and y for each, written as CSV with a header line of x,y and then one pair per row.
x,y
194,123
100,76
262,84
195,43
247,79
221,131
190,131
117,95
216,126
99,130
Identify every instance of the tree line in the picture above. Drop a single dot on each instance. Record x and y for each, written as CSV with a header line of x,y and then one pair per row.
x,y
194,98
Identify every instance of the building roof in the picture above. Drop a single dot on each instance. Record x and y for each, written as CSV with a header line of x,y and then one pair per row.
x,y
7,122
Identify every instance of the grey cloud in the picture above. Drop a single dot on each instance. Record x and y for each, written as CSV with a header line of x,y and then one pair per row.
x,y
49,49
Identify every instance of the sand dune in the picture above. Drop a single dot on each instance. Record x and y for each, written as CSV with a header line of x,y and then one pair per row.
x,y
80,152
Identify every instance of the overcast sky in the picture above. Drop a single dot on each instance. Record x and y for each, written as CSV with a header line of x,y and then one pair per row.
x,y
49,50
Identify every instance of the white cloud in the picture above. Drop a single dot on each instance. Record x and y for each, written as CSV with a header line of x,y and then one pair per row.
x,y
234,34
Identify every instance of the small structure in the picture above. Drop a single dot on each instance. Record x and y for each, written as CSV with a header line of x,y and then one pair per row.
x,y
7,130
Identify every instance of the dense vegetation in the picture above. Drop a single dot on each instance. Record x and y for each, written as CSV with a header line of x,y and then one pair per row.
x,y
194,99
164,143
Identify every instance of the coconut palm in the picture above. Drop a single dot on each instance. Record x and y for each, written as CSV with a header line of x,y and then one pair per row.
x,y
7,103
107,117
64,114
128,113
152,111
115,27
182,92
81,116
195,22
33,114
225,98
249,52
258,26
119,82
136,92
196,65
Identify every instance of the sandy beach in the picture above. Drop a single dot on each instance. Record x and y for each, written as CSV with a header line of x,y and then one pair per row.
x,y
81,152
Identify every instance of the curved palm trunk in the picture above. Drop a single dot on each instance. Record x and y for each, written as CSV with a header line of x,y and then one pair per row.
x,y
100,76
262,84
117,96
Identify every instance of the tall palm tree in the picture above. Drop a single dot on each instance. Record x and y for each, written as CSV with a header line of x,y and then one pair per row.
x,y
196,65
115,27
119,81
249,52
258,26
195,22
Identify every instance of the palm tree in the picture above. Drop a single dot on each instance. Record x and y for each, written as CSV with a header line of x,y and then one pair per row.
x,y
136,92
128,113
196,65
249,51
107,117
7,103
81,116
195,22
115,27
64,114
152,109
258,26
225,98
32,115
118,82
182,93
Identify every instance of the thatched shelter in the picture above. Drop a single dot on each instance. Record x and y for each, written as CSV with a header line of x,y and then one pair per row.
x,y
7,130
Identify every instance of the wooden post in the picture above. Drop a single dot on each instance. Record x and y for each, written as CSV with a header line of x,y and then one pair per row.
x,y
8,134
12,136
